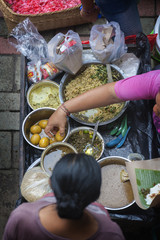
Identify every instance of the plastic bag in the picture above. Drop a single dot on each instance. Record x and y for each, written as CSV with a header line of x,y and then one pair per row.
x,y
66,51
107,42
27,40
35,184
143,53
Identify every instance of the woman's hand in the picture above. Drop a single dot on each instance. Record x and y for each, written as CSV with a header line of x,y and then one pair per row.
x,y
56,122
90,16
156,108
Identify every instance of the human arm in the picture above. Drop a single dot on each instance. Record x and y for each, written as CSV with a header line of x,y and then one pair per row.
x,y
89,10
143,86
97,97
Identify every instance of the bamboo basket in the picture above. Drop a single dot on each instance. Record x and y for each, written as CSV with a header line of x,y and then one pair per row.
x,y
44,21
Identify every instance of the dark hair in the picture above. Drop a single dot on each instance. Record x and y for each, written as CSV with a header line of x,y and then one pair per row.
x,y
76,182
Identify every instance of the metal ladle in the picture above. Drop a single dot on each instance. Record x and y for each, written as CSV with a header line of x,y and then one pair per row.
x,y
90,148
109,72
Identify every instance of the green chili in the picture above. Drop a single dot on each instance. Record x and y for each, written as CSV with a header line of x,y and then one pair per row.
x,y
124,130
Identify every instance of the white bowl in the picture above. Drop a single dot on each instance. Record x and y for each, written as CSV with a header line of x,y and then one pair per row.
x,y
114,188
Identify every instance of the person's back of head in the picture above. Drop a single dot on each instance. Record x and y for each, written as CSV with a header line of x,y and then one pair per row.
x,y
76,182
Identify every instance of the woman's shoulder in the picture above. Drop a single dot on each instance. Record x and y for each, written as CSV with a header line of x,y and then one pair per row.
x,y
98,208
31,207
107,227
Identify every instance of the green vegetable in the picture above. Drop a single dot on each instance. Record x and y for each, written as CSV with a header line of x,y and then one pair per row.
x,y
90,135
86,131
114,130
121,127
124,130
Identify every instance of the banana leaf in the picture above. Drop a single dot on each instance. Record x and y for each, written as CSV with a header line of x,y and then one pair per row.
x,y
146,179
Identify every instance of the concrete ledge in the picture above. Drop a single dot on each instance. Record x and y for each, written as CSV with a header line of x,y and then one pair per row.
x,y
6,48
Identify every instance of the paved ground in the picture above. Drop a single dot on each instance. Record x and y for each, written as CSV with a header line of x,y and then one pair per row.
x,y
10,104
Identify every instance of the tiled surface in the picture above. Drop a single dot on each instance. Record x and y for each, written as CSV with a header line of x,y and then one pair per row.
x,y
6,48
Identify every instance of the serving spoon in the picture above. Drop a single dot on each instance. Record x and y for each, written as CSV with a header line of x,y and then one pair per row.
x,y
90,148
109,72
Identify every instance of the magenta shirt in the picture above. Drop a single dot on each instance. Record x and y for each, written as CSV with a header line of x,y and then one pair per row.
x,y
24,223
143,86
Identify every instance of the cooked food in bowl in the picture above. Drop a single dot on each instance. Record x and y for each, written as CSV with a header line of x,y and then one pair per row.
x,y
115,193
52,155
44,94
81,138
33,128
90,77
38,136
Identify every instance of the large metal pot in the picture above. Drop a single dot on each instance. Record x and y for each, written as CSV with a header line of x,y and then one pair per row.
x,y
68,77
117,194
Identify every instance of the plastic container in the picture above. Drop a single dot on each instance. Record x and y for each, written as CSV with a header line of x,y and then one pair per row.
x,y
135,156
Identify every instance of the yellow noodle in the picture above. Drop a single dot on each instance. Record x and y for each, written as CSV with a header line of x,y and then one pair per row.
x,y
84,82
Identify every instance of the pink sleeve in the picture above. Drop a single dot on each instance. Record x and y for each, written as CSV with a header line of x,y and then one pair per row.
x,y
144,86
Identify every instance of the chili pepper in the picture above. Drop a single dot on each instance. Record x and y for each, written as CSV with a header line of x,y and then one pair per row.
x,y
121,127
114,142
124,130
114,130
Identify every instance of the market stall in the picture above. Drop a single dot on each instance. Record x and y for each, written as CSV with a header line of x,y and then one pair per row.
x,y
142,139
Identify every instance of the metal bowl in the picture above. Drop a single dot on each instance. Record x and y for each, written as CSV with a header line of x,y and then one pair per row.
x,y
115,188
68,77
90,129
51,148
34,117
34,86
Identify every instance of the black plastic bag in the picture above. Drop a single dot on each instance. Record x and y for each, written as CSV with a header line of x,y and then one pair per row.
x,y
143,53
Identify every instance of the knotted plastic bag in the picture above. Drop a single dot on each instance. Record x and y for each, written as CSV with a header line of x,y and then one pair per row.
x,y
65,51
35,184
107,42
27,40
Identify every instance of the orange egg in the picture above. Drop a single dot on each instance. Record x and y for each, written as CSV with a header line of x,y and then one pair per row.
x,y
35,139
44,142
43,123
59,138
35,129
52,140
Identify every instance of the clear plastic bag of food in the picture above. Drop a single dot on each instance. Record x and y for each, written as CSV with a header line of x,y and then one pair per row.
x,y
27,40
65,51
35,184
107,42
